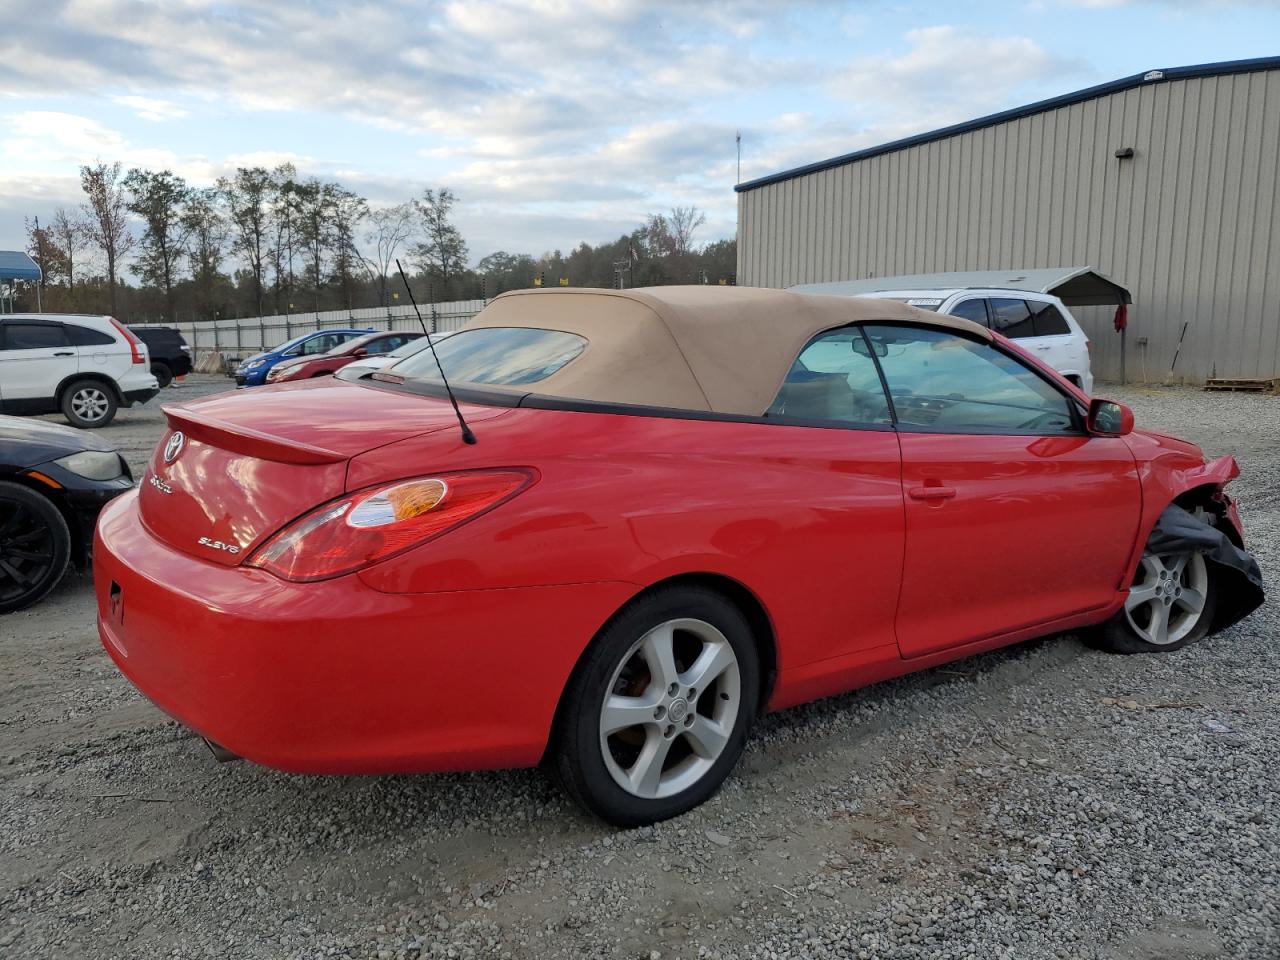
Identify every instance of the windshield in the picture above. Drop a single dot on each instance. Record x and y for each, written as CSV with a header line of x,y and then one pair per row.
x,y
496,355
413,346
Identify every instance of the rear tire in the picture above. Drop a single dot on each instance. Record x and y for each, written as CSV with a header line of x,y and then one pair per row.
x,y
35,546
162,373
658,710
89,404
1171,603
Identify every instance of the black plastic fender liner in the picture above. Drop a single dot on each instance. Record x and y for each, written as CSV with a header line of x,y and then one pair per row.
x,y
1179,531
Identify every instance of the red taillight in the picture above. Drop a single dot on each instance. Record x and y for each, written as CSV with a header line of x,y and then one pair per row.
x,y
134,343
352,532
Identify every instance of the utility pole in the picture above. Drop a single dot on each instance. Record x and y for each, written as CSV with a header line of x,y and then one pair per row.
x,y
738,139
40,257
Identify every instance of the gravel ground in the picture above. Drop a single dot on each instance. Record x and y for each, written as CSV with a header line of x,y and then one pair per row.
x,y
1041,802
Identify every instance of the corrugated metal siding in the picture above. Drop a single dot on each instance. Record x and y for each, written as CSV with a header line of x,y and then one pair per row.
x,y
1191,224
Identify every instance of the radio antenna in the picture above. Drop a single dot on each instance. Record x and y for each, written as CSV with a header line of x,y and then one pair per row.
x,y
467,435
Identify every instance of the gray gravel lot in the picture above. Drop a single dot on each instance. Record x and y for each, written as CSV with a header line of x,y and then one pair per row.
x,y
1041,802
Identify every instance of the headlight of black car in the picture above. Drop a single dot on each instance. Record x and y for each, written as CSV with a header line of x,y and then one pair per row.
x,y
93,464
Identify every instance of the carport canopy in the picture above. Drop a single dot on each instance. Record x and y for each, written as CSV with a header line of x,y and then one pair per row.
x,y
16,265
1075,286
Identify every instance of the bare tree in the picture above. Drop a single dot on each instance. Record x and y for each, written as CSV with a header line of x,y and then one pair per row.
x,y
160,199
108,219
71,235
681,224
443,252
247,195
391,228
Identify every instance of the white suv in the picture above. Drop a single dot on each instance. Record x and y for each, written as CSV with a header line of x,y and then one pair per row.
x,y
1040,322
87,367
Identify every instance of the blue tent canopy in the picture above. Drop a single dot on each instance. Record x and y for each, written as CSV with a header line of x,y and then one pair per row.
x,y
16,265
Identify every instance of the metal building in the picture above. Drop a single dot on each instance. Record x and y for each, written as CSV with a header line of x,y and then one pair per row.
x,y
1168,182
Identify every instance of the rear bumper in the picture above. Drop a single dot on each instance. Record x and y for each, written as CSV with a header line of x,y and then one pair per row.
x,y
139,396
336,677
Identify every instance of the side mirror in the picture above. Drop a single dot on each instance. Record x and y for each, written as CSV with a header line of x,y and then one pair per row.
x,y
359,352
1108,418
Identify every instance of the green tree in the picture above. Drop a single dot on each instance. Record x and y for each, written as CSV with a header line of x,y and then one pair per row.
x,y
159,200
247,195
206,228
442,252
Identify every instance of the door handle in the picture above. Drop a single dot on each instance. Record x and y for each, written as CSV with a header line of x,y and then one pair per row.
x,y
65,353
931,493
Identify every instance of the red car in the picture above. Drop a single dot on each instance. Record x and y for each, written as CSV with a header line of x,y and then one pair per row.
x,y
682,506
327,364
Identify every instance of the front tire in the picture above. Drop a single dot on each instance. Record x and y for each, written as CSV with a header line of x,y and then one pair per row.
x,y
89,404
35,546
1170,604
658,711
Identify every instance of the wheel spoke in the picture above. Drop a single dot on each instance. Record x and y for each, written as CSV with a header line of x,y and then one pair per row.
x,y
15,574
646,774
659,654
1191,600
1178,564
1140,595
706,737
714,660
621,712
15,554
1158,628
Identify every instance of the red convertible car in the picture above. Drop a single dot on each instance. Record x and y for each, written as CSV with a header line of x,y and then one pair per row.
x,y
327,364
682,506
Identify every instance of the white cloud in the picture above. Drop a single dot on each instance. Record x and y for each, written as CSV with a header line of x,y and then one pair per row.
x,y
149,108
948,73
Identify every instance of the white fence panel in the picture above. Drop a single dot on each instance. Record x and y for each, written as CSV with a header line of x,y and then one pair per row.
x,y
236,338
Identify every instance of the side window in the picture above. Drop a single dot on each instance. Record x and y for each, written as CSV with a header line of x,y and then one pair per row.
x,y
975,310
320,345
834,378
947,383
33,336
1048,320
87,337
384,345
1012,318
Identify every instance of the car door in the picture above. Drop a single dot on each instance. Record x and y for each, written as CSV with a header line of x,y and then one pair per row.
x,y
1055,342
1015,516
836,444
35,356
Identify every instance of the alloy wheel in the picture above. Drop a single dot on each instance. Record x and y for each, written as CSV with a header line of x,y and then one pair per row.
x,y
1168,597
670,709
28,550
90,404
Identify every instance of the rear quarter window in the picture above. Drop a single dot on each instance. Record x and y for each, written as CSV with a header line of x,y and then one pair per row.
x,y
87,336
504,356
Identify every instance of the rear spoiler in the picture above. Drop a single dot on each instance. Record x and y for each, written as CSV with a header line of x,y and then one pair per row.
x,y
251,443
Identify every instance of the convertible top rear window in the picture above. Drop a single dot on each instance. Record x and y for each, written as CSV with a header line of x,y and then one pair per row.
x,y
495,355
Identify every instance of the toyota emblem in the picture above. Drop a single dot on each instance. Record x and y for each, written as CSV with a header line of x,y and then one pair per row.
x,y
174,447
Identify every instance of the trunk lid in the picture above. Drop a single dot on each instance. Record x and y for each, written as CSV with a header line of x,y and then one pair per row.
x,y
235,468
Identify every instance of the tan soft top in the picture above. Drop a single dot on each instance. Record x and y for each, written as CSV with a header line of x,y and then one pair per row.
x,y
718,349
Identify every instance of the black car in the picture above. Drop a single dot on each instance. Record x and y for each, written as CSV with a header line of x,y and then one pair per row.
x,y
53,482
170,355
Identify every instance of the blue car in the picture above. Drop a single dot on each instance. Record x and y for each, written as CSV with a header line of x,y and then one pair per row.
x,y
252,371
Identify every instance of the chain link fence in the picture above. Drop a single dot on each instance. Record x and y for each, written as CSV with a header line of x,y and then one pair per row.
x,y
219,344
